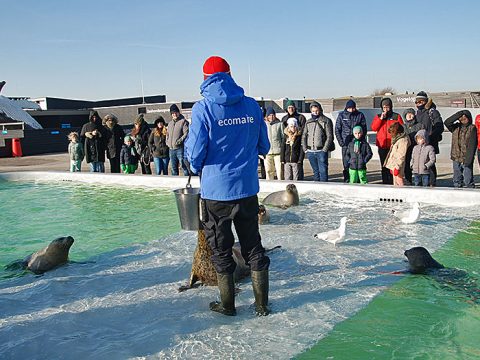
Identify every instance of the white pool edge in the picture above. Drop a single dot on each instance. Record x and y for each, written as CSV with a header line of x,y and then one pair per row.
x,y
382,193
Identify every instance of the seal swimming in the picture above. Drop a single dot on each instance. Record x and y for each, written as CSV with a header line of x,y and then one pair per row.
x,y
422,263
283,199
52,256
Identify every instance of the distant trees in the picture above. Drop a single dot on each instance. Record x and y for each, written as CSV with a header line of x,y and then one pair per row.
x,y
388,90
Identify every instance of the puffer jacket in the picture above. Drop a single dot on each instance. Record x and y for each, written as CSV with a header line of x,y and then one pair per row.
x,y
396,156
177,132
432,122
158,143
292,151
129,155
345,123
384,139
462,133
275,136
423,156
358,161
318,134
477,125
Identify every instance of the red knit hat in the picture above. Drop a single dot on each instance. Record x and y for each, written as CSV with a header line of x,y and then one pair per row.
x,y
215,64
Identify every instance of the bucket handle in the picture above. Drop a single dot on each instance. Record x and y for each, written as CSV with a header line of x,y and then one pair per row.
x,y
188,182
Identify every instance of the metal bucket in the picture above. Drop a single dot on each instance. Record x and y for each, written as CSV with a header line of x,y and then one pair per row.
x,y
188,205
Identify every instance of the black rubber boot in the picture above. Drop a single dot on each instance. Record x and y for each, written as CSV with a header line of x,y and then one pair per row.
x,y
226,306
260,291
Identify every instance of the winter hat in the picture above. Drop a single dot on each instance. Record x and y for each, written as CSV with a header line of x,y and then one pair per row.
x,y
290,103
408,111
174,108
386,101
158,120
350,104
422,95
317,104
292,121
270,111
215,64
127,138
357,128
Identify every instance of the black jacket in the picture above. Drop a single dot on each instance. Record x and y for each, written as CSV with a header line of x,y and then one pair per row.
x,y
432,123
128,155
358,161
114,140
158,145
94,147
292,153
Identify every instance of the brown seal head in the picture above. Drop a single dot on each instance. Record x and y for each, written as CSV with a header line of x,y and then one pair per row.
x,y
55,254
284,199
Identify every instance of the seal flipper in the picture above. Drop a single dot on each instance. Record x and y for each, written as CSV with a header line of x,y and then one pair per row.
x,y
16,265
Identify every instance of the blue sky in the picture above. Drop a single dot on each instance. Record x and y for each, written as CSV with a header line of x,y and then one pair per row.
x,y
99,49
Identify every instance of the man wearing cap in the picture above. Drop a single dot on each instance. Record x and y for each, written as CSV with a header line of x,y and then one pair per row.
x,y
346,121
428,115
381,122
177,131
292,112
317,141
275,128
226,136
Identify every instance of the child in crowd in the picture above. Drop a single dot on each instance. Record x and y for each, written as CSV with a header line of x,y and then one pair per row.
x,y
395,160
272,160
357,155
128,156
423,158
464,146
291,153
75,150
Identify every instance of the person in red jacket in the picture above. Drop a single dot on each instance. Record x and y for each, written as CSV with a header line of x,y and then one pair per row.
x,y
477,125
381,123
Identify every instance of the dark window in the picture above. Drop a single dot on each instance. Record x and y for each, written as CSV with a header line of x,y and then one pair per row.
x,y
142,110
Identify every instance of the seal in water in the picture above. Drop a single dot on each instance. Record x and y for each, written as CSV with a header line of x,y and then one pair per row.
x,y
203,270
422,263
263,215
55,254
283,199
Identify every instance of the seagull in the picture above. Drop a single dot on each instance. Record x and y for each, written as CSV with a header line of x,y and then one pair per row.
x,y
408,216
334,236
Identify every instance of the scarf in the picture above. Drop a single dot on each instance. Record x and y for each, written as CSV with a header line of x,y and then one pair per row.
x,y
356,146
291,136
397,137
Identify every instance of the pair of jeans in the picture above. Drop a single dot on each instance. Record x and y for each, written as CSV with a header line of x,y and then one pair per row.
x,y
97,166
217,224
421,179
319,163
463,175
176,159
161,165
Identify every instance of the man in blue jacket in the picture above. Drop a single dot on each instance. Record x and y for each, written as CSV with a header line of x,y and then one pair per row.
x,y
346,121
226,136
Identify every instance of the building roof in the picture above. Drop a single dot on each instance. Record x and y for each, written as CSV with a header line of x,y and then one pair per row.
x,y
12,109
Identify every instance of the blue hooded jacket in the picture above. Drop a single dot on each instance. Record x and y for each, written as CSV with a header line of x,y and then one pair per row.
x,y
226,136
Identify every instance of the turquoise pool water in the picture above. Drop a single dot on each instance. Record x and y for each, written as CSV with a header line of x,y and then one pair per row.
x,y
123,303
99,218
